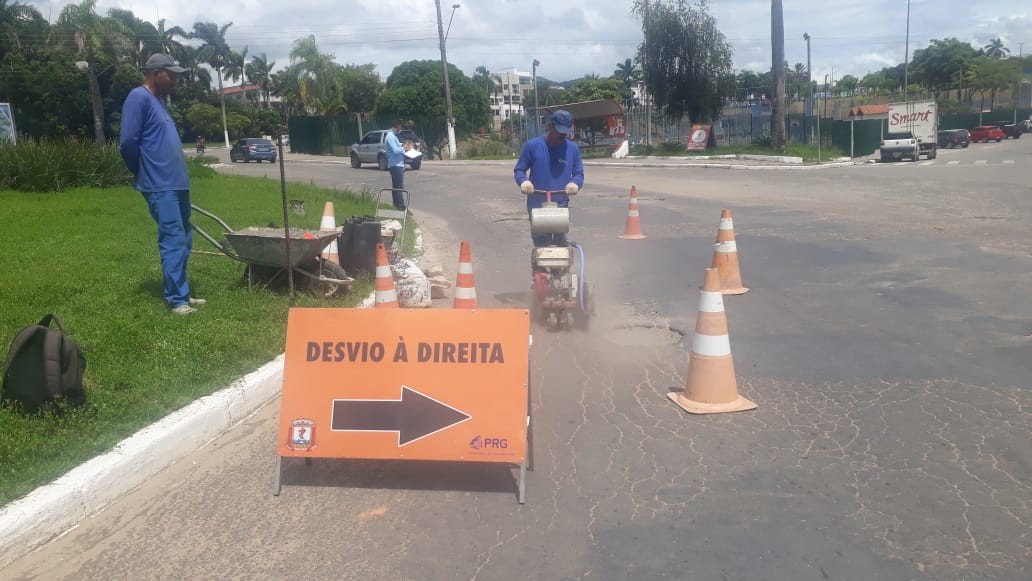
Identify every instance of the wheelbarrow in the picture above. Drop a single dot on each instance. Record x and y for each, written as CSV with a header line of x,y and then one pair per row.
x,y
264,252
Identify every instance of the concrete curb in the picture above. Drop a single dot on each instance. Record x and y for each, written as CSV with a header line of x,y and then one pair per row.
x,y
52,510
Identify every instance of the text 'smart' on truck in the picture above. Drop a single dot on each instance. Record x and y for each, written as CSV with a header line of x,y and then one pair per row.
x,y
921,118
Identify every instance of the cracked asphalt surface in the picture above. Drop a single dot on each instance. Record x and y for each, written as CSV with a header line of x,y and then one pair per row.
x,y
886,339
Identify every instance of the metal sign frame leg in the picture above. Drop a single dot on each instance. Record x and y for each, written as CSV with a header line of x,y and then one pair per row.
x,y
277,484
400,215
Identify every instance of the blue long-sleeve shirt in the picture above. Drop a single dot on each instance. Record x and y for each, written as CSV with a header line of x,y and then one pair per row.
x,y
550,168
150,144
395,152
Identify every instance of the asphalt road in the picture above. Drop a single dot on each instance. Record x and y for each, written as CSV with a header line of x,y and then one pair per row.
x,y
886,338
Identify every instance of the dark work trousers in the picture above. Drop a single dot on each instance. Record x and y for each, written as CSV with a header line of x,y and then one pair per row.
x,y
398,184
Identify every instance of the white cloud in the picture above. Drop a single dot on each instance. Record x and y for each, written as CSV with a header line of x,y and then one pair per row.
x,y
575,37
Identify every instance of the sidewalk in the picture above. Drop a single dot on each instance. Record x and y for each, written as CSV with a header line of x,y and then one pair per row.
x,y
739,161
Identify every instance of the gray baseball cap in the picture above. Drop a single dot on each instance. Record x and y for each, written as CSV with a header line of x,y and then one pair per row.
x,y
163,61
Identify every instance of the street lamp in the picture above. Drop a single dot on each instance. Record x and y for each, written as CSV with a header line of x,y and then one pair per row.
x,y
906,57
452,153
537,118
807,120
96,102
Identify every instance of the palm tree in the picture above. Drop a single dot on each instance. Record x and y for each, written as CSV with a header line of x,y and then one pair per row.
x,y
214,52
95,40
258,72
235,70
14,18
995,50
628,72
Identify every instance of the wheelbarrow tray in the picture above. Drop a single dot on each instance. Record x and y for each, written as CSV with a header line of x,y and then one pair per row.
x,y
266,246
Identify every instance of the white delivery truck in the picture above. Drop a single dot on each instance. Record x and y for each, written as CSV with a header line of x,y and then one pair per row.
x,y
918,118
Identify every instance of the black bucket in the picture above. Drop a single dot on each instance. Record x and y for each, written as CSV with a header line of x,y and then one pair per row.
x,y
357,244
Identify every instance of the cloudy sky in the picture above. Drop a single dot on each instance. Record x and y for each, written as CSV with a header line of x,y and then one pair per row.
x,y
572,38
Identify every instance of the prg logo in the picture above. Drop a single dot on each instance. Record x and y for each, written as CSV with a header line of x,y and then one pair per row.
x,y
482,443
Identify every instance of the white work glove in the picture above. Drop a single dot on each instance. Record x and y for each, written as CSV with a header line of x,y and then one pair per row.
x,y
571,189
526,187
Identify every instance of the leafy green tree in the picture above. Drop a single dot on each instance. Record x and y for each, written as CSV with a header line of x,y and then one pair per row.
x,y
49,96
595,89
686,60
936,67
847,84
361,86
204,119
240,125
415,92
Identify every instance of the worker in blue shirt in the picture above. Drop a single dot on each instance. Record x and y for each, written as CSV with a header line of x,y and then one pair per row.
x,y
554,163
396,164
153,152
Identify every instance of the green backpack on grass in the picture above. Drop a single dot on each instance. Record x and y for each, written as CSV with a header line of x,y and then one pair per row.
x,y
44,365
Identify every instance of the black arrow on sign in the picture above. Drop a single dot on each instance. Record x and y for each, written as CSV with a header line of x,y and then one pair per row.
x,y
414,416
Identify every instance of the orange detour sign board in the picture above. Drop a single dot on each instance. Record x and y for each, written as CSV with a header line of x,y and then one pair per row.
x,y
394,384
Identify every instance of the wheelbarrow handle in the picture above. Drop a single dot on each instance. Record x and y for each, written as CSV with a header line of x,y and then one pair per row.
x,y
201,210
224,248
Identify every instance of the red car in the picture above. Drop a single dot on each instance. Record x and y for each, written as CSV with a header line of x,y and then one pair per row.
x,y
987,132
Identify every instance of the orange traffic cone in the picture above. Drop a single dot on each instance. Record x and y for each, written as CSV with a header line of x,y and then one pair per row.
x,y
711,387
632,230
329,224
385,296
465,290
725,256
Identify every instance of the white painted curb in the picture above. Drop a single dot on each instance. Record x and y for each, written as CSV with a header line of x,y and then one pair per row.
x,y
52,510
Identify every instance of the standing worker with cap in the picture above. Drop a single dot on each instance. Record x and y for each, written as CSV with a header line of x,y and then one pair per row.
x,y
153,152
554,163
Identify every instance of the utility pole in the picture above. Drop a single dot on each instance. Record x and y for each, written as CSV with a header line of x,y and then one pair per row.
x,y
808,119
1017,83
906,57
777,39
537,117
452,153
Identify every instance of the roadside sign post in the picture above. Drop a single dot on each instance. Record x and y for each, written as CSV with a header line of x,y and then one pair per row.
x,y
398,384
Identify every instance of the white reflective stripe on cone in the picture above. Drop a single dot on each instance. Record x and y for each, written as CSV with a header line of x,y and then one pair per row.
x,y
462,292
383,272
713,346
632,213
729,246
726,224
711,302
327,223
465,268
387,296
332,248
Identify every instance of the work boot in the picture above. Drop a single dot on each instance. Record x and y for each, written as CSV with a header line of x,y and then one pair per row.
x,y
183,310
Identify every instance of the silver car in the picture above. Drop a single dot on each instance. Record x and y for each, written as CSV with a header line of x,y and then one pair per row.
x,y
372,150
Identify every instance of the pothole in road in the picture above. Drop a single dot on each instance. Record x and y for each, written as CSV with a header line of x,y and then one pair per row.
x,y
638,334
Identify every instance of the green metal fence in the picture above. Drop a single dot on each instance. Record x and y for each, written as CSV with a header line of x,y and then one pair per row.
x,y
864,136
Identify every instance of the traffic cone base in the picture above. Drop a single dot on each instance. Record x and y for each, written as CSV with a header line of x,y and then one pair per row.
x,y
465,289
632,229
711,387
712,380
